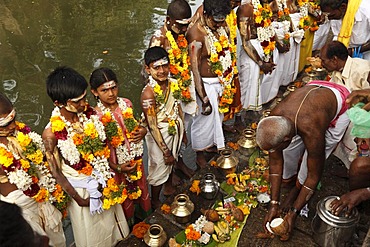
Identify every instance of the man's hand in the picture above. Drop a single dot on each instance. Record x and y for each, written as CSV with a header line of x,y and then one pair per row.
x,y
138,134
169,160
359,96
206,107
290,218
126,167
267,67
347,202
273,213
82,202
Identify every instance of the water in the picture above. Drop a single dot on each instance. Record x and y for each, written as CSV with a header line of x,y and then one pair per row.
x,y
38,36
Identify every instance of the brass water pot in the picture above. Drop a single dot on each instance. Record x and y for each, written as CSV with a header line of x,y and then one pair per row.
x,y
248,140
155,236
227,161
181,208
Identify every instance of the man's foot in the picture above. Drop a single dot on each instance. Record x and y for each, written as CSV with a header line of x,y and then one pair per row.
x,y
212,149
156,204
169,189
201,160
288,202
176,180
229,128
182,167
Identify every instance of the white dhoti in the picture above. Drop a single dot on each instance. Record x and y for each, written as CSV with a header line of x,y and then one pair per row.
x,y
43,217
294,151
206,131
105,229
256,89
158,171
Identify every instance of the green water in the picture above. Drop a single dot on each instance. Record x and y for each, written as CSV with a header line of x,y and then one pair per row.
x,y
37,36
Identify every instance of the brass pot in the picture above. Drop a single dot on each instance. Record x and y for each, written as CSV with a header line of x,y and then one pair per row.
x,y
182,208
248,140
227,160
155,236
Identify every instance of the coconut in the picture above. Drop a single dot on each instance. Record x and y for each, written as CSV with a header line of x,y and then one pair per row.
x,y
279,226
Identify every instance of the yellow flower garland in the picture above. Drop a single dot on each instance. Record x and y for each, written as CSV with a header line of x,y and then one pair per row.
x,y
180,66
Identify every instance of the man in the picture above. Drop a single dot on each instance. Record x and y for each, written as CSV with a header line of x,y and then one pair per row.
x,y
359,171
213,73
77,152
354,73
309,122
345,70
171,37
163,116
252,63
350,22
17,182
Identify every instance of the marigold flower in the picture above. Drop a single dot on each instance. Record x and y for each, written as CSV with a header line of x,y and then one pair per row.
x,y
166,209
140,229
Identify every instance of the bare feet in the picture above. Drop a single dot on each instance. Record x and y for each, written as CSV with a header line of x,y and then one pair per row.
x,y
201,160
229,128
168,189
288,202
180,165
176,180
156,204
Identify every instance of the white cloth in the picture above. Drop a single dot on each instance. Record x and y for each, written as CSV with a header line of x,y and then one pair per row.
x,y
158,171
294,151
256,89
43,217
354,75
105,229
321,36
360,31
206,131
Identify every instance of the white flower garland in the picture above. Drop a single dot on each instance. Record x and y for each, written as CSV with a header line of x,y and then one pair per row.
x,y
70,152
23,180
226,60
122,152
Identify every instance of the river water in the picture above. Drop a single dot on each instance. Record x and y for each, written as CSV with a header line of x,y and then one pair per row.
x,y
37,36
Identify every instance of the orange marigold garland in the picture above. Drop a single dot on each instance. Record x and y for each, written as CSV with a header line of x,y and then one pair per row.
x,y
140,229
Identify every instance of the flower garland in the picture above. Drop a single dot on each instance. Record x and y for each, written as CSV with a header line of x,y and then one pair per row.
x,y
160,98
179,66
283,10
307,6
222,64
231,20
28,171
134,153
265,31
83,145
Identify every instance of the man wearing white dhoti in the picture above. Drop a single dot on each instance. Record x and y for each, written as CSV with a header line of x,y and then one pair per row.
x,y
255,61
77,152
162,110
213,67
25,179
309,122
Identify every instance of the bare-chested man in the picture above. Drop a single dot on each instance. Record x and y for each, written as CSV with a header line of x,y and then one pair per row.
x,y
309,122
213,72
251,60
171,37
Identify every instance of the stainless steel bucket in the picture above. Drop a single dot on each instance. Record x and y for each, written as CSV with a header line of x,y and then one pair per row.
x,y
330,230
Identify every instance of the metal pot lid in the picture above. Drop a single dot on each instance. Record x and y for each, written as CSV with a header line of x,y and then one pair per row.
x,y
323,210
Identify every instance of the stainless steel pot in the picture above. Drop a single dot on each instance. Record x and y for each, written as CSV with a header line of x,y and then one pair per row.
x,y
331,230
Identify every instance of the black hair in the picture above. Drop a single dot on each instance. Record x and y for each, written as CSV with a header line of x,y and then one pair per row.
x,y
336,48
332,4
14,229
217,7
6,105
101,76
179,9
65,83
154,54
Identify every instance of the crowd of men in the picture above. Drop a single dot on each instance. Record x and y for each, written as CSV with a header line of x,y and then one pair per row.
x,y
203,69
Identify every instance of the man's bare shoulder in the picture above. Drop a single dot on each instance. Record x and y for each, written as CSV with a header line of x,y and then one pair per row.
x,y
48,133
245,10
158,38
195,33
147,93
